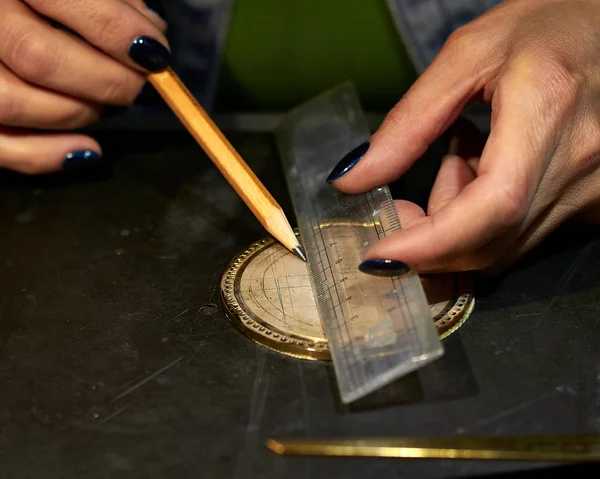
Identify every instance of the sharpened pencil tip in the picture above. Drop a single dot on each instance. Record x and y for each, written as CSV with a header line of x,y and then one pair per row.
x,y
298,251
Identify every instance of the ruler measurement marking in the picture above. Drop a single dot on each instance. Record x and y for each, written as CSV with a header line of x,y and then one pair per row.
x,y
389,210
348,353
341,328
330,316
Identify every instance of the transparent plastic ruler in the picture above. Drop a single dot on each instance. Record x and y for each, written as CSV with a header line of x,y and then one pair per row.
x,y
378,329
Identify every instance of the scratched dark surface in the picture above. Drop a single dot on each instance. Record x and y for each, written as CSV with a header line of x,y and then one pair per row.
x,y
116,359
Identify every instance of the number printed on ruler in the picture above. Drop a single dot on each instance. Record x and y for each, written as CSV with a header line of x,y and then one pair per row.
x,y
356,300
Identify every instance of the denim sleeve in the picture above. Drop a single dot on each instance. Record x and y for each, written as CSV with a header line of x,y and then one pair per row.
x,y
197,33
199,29
426,24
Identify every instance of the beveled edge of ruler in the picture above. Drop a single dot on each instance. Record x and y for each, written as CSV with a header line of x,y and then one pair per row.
x,y
271,338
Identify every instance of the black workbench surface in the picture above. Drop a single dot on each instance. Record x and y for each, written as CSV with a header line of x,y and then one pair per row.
x,y
116,359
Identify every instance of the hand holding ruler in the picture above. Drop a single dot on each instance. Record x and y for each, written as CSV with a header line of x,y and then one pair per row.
x,y
378,329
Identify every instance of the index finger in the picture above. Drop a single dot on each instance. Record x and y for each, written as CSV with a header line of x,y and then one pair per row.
x,y
430,106
115,27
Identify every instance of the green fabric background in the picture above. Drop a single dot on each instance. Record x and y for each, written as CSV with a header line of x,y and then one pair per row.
x,y
282,52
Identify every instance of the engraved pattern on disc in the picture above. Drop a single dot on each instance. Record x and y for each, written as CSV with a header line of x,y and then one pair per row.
x,y
267,294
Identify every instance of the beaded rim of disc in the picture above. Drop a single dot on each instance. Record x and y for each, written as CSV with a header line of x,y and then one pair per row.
x,y
447,321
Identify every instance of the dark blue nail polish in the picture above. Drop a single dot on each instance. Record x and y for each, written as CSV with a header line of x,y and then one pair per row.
x,y
157,7
348,162
150,54
384,267
83,158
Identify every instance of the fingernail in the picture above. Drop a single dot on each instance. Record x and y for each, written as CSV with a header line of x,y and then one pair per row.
x,y
150,54
384,267
148,96
156,6
82,158
348,162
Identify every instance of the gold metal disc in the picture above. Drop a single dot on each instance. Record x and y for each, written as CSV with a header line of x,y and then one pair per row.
x,y
267,294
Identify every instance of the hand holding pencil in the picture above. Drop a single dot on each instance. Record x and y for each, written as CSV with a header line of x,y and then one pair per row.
x,y
117,56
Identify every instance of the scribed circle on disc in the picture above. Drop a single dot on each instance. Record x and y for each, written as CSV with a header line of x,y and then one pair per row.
x,y
267,294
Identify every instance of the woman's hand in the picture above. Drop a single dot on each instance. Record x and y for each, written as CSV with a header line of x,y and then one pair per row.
x,y
538,64
61,61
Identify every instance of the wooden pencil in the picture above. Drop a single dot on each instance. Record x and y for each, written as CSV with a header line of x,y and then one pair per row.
x,y
226,158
